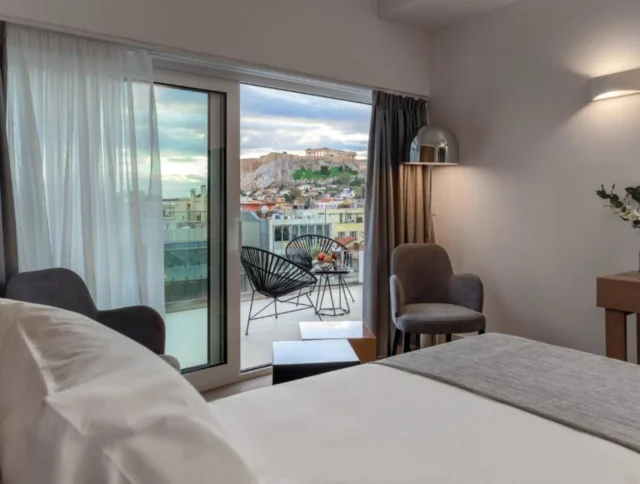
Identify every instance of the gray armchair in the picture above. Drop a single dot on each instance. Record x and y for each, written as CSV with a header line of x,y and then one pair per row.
x,y
64,289
427,298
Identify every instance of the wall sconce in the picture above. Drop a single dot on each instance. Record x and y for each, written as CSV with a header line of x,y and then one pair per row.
x,y
433,146
615,85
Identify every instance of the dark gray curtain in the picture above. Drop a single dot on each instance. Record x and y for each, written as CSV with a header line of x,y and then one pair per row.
x,y
395,202
8,241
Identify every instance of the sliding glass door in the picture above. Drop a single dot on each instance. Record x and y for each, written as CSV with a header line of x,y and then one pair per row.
x,y
303,169
296,167
198,130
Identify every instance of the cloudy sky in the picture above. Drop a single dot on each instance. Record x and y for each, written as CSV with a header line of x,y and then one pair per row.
x,y
274,120
271,120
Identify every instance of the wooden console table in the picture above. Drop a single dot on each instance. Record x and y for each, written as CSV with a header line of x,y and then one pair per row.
x,y
619,295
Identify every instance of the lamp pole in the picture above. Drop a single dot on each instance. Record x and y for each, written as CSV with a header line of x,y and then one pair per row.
x,y
433,146
429,201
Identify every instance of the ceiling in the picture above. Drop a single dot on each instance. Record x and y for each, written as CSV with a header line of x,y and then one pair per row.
x,y
434,14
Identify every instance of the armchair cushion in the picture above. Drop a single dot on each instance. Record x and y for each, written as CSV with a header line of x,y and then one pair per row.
x,y
64,289
466,290
439,318
172,361
424,270
397,297
60,288
427,298
140,323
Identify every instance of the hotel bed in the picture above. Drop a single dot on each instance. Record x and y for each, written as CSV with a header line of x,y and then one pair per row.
x,y
80,403
378,424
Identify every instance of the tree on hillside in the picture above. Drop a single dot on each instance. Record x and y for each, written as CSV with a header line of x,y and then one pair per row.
x,y
357,182
293,194
324,170
343,179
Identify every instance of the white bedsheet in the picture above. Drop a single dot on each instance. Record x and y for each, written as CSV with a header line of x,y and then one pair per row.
x,y
373,424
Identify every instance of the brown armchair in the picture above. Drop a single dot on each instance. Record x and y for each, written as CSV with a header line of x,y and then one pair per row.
x,y
64,289
427,298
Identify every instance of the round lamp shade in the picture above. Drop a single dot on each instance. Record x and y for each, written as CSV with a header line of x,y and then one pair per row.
x,y
434,145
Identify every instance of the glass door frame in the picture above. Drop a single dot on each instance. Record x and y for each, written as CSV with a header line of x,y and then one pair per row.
x,y
229,371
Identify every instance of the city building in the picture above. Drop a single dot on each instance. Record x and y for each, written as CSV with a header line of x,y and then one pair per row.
x,y
186,250
323,203
348,222
256,205
347,193
193,208
275,232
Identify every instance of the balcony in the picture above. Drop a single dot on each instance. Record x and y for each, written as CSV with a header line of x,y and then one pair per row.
x,y
187,331
187,270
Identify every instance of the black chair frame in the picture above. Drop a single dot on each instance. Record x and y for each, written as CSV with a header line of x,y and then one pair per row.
x,y
300,249
276,278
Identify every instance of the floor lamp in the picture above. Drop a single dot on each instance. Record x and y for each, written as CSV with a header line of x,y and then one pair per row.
x,y
433,146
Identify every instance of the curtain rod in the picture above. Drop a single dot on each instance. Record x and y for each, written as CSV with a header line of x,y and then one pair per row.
x,y
417,97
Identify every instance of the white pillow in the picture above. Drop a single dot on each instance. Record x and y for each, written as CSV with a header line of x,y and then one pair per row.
x,y
80,403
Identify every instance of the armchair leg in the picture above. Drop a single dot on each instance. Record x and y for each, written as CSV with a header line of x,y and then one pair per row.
x,y
448,337
396,341
275,305
406,343
482,331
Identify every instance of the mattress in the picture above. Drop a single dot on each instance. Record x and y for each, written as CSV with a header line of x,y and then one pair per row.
x,y
375,424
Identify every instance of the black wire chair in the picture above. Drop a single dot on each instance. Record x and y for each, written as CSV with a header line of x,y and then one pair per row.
x,y
275,277
302,250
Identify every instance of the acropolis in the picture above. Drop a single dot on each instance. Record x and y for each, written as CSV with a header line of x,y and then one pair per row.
x,y
330,153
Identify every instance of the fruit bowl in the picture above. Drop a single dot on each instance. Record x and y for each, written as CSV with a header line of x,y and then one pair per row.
x,y
324,261
322,265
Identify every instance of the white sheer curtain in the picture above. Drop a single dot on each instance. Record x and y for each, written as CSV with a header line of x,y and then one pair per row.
x,y
83,145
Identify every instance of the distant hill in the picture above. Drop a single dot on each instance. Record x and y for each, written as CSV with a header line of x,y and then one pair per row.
x,y
283,170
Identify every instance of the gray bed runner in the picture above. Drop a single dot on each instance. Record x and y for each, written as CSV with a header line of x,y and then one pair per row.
x,y
590,393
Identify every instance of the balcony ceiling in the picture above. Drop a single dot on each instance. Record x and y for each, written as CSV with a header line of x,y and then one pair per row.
x,y
434,14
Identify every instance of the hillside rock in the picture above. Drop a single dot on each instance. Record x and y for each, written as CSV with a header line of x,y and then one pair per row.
x,y
279,171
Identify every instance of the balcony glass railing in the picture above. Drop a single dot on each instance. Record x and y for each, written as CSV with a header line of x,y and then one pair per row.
x,y
186,255
186,260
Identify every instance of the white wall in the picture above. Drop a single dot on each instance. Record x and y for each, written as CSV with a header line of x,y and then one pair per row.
x,y
333,39
522,212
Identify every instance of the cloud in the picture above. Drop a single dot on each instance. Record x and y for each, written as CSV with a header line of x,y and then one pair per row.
x,y
182,122
271,120
274,120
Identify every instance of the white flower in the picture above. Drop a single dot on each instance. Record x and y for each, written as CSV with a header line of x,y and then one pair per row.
x,y
625,212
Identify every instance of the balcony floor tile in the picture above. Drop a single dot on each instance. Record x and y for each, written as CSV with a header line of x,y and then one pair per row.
x,y
187,331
